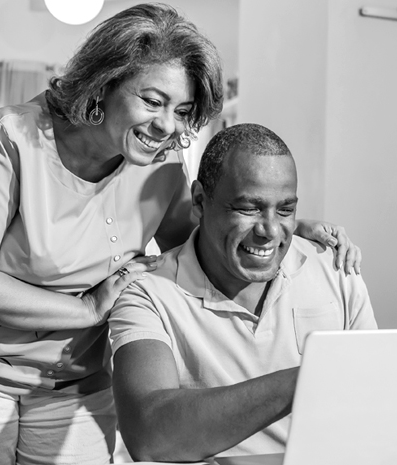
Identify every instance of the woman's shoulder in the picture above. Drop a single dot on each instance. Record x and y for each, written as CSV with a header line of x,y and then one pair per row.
x,y
22,118
37,104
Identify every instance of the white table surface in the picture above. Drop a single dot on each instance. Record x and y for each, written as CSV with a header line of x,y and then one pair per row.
x,y
268,459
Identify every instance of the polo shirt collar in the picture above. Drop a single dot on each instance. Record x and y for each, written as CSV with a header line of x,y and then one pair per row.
x,y
191,279
293,261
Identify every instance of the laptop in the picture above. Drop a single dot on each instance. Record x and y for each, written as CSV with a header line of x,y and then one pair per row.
x,y
345,405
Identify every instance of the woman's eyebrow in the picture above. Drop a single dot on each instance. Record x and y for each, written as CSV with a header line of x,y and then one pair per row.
x,y
164,94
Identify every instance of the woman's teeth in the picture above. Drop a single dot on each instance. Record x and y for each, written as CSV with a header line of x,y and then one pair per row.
x,y
147,141
260,252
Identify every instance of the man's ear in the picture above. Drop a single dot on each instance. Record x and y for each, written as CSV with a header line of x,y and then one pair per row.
x,y
198,198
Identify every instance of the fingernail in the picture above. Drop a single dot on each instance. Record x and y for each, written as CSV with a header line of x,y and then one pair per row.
x,y
152,265
142,276
332,242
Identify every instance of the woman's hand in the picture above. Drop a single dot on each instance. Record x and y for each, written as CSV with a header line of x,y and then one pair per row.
x,y
333,236
101,298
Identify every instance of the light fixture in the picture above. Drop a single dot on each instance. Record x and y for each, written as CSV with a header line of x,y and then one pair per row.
x,y
74,11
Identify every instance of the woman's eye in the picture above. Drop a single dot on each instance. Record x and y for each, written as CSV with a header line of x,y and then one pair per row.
x,y
151,102
182,113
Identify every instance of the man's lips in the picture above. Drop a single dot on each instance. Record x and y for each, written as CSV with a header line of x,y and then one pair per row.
x,y
258,251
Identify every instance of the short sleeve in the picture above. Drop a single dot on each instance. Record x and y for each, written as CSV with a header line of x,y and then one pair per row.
x,y
9,180
134,317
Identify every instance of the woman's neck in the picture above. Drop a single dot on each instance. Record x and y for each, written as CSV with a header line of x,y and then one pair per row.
x,y
80,152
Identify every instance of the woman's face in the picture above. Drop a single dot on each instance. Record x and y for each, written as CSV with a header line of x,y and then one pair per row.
x,y
147,112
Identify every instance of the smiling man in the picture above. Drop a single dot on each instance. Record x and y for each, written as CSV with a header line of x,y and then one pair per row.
x,y
207,346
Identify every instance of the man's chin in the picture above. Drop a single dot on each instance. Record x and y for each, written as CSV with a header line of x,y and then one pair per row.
x,y
256,276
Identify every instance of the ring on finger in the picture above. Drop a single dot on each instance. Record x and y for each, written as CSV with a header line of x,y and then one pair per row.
x,y
123,271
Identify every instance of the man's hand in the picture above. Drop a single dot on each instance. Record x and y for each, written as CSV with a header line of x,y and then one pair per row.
x,y
331,235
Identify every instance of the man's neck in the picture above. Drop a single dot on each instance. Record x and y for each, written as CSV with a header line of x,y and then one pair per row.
x,y
253,297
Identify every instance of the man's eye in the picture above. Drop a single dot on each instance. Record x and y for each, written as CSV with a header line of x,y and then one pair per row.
x,y
248,211
286,211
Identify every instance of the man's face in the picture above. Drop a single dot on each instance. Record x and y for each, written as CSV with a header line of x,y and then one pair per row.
x,y
246,229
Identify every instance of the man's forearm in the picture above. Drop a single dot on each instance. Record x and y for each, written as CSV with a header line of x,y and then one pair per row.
x,y
192,424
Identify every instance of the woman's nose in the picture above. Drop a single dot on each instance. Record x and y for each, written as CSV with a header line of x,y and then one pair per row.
x,y
165,122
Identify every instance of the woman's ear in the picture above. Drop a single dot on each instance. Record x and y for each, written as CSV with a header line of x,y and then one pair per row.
x,y
198,198
102,91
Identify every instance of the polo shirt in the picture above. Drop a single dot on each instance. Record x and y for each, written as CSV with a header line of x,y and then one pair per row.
x,y
216,342
65,234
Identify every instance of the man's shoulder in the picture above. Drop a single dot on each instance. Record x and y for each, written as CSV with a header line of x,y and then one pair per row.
x,y
310,247
167,265
313,252
178,274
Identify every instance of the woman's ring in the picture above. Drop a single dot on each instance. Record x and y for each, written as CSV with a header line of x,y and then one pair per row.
x,y
123,271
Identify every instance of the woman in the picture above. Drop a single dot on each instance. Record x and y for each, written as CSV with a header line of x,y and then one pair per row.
x,y
84,186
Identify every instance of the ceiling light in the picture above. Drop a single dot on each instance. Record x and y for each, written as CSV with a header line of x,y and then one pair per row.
x,y
74,11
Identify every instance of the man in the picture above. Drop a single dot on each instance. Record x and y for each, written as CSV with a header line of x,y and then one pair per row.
x,y
207,346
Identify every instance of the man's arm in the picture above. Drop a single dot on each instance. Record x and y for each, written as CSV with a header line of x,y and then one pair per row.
x,y
161,422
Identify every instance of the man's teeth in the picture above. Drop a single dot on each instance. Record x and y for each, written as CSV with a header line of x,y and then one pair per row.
x,y
147,141
260,252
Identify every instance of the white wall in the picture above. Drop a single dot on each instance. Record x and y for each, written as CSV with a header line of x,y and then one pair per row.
x,y
26,34
324,79
361,148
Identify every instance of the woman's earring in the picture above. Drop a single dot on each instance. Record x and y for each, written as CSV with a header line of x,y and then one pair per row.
x,y
97,115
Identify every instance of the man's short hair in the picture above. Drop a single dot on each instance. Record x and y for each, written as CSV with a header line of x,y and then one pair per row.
x,y
251,137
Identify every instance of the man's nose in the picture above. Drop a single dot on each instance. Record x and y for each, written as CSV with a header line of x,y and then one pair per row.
x,y
165,122
268,227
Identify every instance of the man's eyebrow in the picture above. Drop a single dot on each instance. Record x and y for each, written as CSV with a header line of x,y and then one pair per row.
x,y
258,200
164,94
293,199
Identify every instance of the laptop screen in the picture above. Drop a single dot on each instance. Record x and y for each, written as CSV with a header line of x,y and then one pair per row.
x,y
345,405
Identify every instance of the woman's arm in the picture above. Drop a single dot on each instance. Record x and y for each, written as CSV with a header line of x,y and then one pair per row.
x,y
333,236
28,307
31,308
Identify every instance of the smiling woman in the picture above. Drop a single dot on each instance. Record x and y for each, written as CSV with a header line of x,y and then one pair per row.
x,y
88,176
148,112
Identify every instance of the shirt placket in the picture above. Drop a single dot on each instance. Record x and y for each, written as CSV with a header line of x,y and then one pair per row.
x,y
113,233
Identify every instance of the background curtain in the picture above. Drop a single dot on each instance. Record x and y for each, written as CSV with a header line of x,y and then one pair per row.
x,y
20,81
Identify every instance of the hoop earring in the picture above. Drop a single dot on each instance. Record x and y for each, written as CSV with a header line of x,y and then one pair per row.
x,y
97,115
